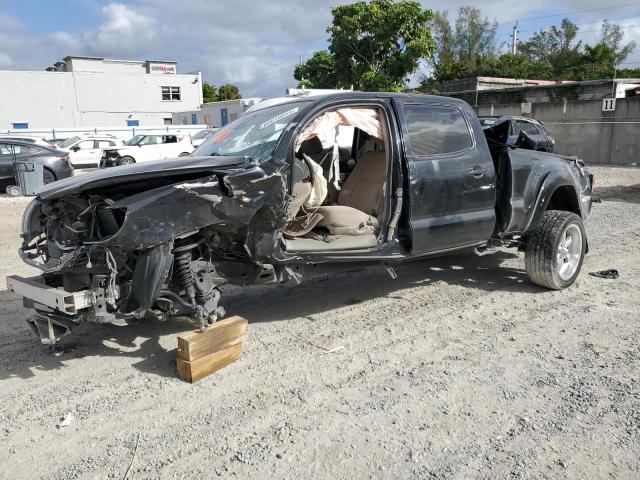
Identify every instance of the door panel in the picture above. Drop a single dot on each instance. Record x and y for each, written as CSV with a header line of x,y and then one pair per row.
x,y
6,161
452,178
87,157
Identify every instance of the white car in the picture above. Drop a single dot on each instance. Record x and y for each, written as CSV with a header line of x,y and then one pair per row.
x,y
145,148
85,151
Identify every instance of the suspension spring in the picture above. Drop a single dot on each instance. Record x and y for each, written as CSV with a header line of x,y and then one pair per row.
x,y
183,274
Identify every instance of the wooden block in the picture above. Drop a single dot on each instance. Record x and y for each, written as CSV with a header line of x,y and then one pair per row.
x,y
203,366
220,335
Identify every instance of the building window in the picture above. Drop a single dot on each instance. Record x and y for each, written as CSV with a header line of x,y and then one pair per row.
x,y
133,123
171,94
168,121
20,125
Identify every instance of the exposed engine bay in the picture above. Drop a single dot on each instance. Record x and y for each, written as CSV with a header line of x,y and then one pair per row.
x,y
152,247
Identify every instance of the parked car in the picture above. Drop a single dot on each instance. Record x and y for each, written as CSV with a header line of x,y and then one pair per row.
x,y
198,138
56,141
55,162
85,150
35,140
145,148
533,128
268,199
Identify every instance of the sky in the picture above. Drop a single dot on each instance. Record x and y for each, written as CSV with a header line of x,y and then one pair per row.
x,y
252,44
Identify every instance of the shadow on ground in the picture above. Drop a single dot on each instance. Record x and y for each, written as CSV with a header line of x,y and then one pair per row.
x,y
618,193
23,355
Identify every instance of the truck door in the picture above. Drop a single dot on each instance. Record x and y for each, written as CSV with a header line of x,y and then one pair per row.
x,y
451,176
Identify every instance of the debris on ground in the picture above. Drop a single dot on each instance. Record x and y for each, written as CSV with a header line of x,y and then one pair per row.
x,y
611,274
66,420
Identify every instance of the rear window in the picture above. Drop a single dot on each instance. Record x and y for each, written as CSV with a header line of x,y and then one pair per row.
x,y
24,150
436,130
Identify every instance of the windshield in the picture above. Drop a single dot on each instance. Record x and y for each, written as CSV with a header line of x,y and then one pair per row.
x,y
69,141
202,134
134,140
253,135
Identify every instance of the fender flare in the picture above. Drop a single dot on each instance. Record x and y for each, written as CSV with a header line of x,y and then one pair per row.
x,y
548,187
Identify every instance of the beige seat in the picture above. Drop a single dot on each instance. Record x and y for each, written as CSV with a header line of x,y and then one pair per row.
x,y
360,202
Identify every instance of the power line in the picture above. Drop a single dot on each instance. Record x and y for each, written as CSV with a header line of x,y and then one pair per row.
x,y
508,22
507,35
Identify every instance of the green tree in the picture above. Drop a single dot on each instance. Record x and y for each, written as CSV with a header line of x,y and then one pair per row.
x,y
373,46
317,72
228,92
462,50
209,93
544,45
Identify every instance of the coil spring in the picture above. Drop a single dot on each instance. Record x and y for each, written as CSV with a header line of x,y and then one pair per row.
x,y
182,271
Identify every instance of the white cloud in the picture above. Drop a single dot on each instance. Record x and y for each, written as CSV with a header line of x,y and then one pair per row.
x,y
253,44
5,60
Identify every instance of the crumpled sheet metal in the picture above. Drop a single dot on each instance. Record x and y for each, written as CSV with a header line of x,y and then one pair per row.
x,y
228,202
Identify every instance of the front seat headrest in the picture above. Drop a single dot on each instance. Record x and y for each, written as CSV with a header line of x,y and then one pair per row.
x,y
311,146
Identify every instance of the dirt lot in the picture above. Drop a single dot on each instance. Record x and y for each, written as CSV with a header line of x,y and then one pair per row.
x,y
458,369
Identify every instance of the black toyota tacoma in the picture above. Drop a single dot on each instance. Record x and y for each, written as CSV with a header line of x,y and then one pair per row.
x,y
295,187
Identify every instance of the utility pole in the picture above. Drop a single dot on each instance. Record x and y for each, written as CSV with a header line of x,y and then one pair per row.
x,y
514,39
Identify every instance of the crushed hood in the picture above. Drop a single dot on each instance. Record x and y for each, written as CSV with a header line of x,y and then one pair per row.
x,y
140,171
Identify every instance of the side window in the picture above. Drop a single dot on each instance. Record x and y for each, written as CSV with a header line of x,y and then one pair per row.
x,y
151,140
85,145
24,150
6,150
436,129
533,129
528,127
104,144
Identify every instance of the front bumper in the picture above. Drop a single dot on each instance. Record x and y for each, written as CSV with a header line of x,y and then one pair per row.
x,y
35,293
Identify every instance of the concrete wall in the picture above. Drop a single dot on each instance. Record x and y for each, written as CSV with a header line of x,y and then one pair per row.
x,y
581,128
89,99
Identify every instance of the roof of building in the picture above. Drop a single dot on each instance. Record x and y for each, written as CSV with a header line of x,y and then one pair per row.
x,y
102,59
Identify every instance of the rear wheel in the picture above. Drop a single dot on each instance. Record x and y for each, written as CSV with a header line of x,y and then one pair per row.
x,y
48,176
127,161
555,250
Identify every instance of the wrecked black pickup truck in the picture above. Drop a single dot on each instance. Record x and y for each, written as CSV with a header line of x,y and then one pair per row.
x,y
297,186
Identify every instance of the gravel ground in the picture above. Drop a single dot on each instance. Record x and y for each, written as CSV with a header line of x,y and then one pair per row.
x,y
460,368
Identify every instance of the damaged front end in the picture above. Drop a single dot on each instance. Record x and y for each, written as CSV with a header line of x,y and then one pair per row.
x,y
149,241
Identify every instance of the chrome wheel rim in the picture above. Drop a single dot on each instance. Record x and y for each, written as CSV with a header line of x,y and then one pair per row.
x,y
569,252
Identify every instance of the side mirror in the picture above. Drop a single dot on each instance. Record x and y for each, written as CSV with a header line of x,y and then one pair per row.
x,y
75,149
526,142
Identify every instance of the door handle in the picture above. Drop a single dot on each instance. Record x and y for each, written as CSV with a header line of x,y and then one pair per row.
x,y
477,171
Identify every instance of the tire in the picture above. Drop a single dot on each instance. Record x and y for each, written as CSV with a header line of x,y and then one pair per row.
x,y
184,154
555,250
126,161
48,176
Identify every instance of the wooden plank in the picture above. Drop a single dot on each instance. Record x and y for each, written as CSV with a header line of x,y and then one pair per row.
x,y
220,335
203,366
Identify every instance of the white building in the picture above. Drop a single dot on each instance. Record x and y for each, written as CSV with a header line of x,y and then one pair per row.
x,y
215,114
97,92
